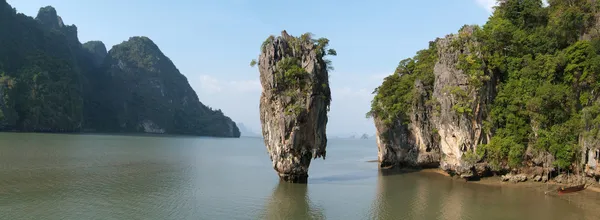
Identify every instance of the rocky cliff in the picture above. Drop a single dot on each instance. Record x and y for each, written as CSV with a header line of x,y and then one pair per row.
x,y
96,51
442,124
517,96
294,102
41,78
50,82
462,99
150,95
404,113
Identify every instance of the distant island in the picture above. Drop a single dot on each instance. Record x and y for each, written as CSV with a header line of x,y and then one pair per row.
x,y
50,82
364,136
246,132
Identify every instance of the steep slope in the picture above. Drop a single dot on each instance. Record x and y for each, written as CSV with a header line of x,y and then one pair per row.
x,y
50,82
150,95
463,95
97,113
96,51
404,97
516,95
41,81
294,102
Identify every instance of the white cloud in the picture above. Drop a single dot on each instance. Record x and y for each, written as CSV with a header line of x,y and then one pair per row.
x,y
239,99
355,86
209,84
351,100
246,85
212,85
350,93
487,4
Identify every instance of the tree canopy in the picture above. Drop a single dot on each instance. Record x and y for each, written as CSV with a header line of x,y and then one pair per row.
x,y
547,63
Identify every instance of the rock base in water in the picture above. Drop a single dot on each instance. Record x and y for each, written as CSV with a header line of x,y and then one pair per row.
x,y
514,178
294,102
293,178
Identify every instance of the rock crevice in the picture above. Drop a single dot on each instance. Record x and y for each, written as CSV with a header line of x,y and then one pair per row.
x,y
445,119
514,97
294,102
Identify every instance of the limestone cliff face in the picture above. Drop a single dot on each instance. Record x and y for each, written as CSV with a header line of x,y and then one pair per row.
x,y
294,103
47,16
50,82
409,141
445,124
435,132
590,156
40,79
501,98
96,51
148,94
460,131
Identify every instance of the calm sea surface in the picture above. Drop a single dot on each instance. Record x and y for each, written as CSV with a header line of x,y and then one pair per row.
x,y
50,176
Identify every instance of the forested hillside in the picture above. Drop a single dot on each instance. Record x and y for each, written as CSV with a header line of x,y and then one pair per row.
x,y
507,93
50,82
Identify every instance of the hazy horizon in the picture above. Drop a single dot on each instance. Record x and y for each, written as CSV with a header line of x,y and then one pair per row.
x,y
212,42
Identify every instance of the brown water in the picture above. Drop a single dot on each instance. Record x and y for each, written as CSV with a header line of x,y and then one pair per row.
x,y
48,176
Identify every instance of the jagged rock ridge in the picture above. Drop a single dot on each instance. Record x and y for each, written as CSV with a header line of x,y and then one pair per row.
x,y
97,52
294,102
50,82
151,96
444,123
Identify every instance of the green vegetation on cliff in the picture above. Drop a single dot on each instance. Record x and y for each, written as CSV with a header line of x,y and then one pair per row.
x,y
291,78
549,76
149,94
41,81
546,68
50,82
396,96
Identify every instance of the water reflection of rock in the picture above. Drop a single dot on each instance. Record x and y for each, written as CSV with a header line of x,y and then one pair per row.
x,y
402,196
291,201
431,196
452,206
390,200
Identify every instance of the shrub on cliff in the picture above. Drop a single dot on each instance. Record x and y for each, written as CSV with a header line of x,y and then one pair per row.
x,y
395,97
546,64
294,101
290,76
41,90
50,82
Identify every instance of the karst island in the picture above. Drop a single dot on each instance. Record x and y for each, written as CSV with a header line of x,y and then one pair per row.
x,y
294,102
516,97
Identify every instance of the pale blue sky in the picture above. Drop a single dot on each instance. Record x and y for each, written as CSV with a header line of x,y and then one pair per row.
x,y
212,42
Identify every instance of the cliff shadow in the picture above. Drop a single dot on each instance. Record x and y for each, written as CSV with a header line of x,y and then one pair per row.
x,y
400,196
343,177
291,201
397,170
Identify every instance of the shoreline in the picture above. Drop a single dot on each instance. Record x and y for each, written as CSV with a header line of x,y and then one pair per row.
x,y
588,198
129,134
497,181
550,186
